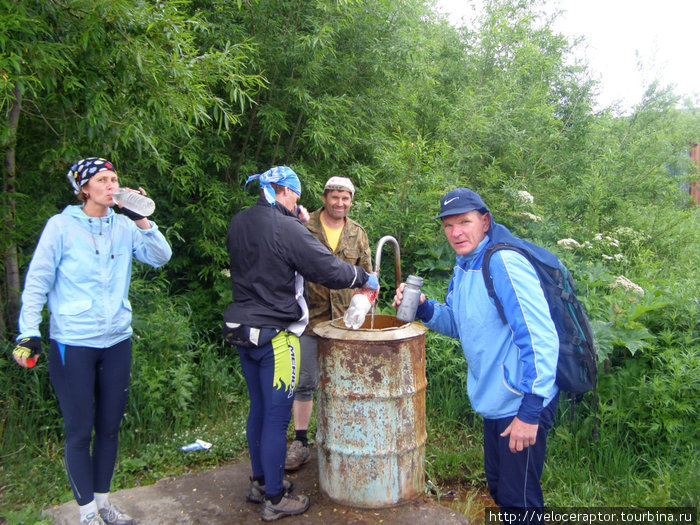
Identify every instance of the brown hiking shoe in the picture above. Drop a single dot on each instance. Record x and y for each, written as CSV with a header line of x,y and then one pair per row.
x,y
256,491
297,455
287,506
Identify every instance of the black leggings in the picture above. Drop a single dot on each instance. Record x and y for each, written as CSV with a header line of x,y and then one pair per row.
x,y
92,385
271,373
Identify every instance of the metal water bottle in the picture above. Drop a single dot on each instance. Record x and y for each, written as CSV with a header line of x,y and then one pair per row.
x,y
411,297
134,201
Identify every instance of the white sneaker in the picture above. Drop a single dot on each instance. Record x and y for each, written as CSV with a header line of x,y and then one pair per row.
x,y
92,519
112,515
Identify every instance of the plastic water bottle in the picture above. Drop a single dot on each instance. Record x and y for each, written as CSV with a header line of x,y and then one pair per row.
x,y
411,298
134,201
360,304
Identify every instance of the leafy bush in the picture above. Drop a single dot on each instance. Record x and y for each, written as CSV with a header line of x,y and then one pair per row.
x,y
178,375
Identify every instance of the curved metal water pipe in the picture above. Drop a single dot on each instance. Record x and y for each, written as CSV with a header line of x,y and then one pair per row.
x,y
397,257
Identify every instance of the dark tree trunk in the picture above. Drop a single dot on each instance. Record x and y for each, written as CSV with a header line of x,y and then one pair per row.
x,y
10,305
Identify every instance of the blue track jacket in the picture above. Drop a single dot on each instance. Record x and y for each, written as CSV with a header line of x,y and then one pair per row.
x,y
83,266
512,367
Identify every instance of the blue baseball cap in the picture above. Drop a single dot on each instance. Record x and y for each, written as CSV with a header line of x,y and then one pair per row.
x,y
461,200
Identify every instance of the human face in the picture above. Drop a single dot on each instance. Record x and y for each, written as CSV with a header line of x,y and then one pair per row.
x,y
100,188
466,230
337,203
288,198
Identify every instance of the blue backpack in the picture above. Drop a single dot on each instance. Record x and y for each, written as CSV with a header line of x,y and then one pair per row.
x,y
577,366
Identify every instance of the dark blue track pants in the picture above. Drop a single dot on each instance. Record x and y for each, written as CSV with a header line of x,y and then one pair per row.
x,y
271,373
514,478
92,386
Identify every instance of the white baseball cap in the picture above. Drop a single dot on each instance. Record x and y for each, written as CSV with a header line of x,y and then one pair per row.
x,y
340,184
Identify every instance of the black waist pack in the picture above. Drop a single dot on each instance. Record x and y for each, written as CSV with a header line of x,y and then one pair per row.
x,y
247,336
243,335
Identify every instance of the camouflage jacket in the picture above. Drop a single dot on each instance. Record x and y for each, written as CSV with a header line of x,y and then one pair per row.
x,y
353,247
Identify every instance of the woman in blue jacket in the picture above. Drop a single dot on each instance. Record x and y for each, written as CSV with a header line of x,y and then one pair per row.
x,y
82,267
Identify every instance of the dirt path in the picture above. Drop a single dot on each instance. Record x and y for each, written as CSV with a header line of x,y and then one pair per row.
x,y
217,497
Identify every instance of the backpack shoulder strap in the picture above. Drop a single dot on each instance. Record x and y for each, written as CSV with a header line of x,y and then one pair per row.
x,y
488,278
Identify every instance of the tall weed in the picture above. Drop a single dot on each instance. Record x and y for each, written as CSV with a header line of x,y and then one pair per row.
x,y
179,377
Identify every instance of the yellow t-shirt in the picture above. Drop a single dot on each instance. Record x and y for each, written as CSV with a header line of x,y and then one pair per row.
x,y
332,234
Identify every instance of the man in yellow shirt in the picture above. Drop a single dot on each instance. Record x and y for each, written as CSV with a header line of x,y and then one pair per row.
x,y
347,240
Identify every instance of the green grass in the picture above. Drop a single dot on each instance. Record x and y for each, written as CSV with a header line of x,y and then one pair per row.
x,y
33,479
578,471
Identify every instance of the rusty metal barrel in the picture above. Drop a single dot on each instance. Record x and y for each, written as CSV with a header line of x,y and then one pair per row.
x,y
371,412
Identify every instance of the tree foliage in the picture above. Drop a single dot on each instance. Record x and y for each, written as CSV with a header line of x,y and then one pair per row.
x,y
124,79
190,97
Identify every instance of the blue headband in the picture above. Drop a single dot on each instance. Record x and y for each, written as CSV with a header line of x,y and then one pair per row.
x,y
281,175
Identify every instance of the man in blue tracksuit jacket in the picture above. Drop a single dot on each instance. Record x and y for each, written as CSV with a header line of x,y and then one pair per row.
x,y
512,367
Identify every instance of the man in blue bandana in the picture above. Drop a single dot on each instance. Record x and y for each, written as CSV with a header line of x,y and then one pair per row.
x,y
280,176
271,254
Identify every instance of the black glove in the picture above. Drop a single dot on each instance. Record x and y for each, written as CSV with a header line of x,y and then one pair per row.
x,y
126,211
28,347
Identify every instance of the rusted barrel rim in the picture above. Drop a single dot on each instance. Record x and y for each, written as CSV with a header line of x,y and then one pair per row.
x,y
338,323
392,330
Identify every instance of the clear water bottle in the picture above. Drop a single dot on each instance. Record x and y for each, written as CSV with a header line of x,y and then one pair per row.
x,y
360,304
411,299
134,201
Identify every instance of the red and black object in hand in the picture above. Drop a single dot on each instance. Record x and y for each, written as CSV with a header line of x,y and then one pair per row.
x,y
28,347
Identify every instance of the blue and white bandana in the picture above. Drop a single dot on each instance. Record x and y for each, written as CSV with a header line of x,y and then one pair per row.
x,y
80,172
281,175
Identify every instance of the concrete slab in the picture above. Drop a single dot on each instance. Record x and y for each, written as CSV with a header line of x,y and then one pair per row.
x,y
217,497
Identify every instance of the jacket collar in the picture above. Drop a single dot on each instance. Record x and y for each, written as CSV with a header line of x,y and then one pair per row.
x,y
279,207
76,211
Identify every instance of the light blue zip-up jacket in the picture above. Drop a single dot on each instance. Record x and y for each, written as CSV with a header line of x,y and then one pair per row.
x,y
83,266
508,363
